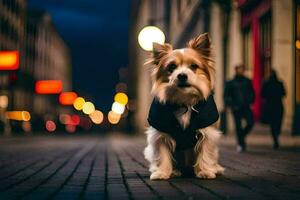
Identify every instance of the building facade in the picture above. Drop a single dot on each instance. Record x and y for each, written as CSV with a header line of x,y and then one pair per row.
x,y
50,58
260,34
12,37
256,39
43,55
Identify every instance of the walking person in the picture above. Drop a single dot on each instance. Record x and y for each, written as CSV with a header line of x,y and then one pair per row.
x,y
239,95
273,91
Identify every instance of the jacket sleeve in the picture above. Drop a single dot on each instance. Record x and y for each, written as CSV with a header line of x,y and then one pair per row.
x,y
156,116
207,113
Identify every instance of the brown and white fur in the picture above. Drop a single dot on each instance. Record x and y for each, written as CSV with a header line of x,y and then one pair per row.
x,y
196,65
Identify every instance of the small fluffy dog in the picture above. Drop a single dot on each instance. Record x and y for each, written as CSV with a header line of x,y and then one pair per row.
x,y
183,111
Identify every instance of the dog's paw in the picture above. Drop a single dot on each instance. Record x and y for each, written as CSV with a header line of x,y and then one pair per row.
x,y
206,175
159,175
220,169
176,173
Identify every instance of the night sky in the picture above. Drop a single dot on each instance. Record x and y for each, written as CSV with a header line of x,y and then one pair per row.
x,y
97,33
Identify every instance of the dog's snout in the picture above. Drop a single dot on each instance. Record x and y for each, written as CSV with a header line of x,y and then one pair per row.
x,y
182,77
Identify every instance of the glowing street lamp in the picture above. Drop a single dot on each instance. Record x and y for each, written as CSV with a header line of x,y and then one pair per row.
x,y
150,34
9,60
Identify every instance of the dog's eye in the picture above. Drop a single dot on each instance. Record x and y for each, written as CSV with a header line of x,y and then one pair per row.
x,y
171,67
194,66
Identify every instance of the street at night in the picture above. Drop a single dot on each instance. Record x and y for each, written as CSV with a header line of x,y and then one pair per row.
x,y
149,99
95,167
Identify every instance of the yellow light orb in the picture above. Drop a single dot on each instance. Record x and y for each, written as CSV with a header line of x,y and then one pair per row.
x,y
150,34
113,117
121,98
78,103
88,108
96,117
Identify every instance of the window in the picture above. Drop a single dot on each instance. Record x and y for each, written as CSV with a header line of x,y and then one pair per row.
x,y
266,44
248,51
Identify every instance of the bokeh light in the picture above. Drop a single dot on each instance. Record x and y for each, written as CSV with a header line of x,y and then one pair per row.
x,y
70,128
75,120
26,126
3,101
9,60
78,103
150,34
85,123
26,116
67,98
18,115
125,114
88,108
121,87
48,87
121,98
113,117
50,126
64,118
297,44
118,108
96,117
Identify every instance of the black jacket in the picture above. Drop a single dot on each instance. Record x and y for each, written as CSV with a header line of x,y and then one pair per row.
x,y
272,91
162,117
239,93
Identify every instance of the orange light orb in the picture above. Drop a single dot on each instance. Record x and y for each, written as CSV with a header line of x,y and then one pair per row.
x,y
48,87
67,98
96,117
113,117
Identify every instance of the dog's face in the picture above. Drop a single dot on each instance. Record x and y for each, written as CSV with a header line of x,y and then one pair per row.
x,y
183,76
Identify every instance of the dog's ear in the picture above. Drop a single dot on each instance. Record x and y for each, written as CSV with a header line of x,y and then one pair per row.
x,y
159,51
201,43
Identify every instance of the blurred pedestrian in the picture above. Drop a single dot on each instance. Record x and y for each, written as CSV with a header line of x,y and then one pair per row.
x,y
239,95
273,91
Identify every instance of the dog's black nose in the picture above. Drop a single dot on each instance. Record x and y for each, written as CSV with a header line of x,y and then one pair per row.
x,y
182,77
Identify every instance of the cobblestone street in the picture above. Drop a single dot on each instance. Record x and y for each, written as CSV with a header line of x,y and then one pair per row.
x,y
91,167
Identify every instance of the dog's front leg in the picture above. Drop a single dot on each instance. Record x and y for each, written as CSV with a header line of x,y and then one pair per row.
x,y
207,154
159,153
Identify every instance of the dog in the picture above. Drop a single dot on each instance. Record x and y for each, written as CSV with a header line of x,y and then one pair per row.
x,y
183,111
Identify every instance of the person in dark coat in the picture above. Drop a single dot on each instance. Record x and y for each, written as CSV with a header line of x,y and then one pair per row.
x,y
273,91
239,95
